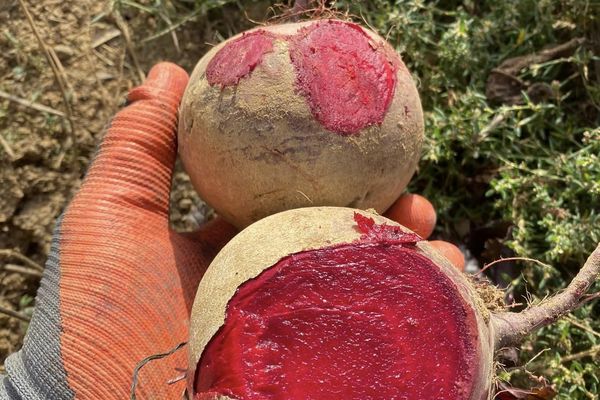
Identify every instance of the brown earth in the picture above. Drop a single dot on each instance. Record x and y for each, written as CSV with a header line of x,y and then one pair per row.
x,y
41,160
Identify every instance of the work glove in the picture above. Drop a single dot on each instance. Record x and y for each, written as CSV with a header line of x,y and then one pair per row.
x,y
119,283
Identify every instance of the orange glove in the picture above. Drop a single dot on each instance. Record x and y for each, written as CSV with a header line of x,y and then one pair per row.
x,y
119,284
417,213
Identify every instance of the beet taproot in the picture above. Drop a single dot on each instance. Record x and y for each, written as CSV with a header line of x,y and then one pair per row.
x,y
336,303
320,303
315,113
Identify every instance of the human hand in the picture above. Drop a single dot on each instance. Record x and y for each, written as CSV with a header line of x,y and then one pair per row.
x,y
119,284
417,213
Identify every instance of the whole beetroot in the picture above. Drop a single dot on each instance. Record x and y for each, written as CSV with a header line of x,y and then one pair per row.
x,y
314,113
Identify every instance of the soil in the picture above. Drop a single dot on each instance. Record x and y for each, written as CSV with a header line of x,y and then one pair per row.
x,y
42,161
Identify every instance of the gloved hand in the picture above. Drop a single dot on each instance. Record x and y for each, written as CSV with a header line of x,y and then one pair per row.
x,y
119,284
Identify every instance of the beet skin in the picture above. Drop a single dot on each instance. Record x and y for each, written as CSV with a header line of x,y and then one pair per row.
x,y
332,303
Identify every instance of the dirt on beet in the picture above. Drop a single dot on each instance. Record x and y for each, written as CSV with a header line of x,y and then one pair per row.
x,y
42,159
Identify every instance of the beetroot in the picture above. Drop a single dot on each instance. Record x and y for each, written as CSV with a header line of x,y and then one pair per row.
x,y
321,303
315,113
333,303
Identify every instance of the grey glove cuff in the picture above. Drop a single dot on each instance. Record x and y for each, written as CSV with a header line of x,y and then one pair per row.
x,y
36,372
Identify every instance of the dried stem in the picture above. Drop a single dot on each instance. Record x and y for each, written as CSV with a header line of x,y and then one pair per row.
x,y
6,146
60,80
14,314
141,364
300,7
106,37
122,25
22,270
589,297
487,266
24,259
31,104
581,326
510,328
589,352
172,27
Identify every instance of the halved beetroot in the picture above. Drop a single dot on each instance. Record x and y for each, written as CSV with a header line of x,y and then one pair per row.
x,y
334,303
331,303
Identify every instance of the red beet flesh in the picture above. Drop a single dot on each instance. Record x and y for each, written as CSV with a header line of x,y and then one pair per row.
x,y
365,320
349,83
238,58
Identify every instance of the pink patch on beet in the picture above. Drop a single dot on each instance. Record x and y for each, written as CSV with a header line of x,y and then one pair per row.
x,y
348,80
354,321
378,232
238,58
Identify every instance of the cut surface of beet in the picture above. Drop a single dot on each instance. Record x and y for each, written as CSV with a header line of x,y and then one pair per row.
x,y
354,321
238,58
347,80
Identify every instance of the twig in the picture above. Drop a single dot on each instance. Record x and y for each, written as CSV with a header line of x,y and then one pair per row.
x,y
300,7
22,258
145,361
31,104
106,98
122,25
7,148
177,379
14,314
498,118
54,67
106,37
511,327
61,69
535,357
103,58
166,18
174,26
487,266
22,270
581,326
589,297
589,352
294,13
305,196
120,67
70,142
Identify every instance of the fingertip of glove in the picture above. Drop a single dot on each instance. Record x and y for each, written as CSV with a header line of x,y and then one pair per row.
x,y
168,76
164,77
